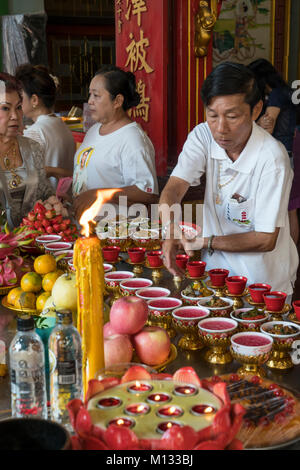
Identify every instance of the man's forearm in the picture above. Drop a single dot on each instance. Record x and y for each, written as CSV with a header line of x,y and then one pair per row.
x,y
244,242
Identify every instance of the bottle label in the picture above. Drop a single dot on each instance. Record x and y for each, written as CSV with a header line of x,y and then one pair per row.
x,y
66,372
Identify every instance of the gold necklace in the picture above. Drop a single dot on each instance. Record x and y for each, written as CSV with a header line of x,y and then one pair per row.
x,y
15,180
220,186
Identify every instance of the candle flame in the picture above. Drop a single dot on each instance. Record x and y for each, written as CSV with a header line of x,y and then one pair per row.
x,y
172,409
209,409
140,408
89,214
169,425
120,422
137,384
157,397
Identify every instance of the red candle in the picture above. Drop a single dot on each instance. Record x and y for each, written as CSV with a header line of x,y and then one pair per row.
x,y
200,410
163,427
137,409
185,390
110,402
169,411
139,387
122,422
158,398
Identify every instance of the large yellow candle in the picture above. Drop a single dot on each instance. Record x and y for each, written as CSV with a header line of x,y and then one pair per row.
x,y
90,288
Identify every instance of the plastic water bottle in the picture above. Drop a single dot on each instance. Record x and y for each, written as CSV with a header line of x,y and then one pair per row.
x,y
65,358
27,371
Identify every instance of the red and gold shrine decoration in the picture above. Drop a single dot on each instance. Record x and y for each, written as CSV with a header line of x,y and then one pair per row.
x,y
142,48
90,288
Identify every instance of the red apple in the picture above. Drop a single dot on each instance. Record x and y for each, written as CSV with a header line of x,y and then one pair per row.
x,y
152,345
108,330
128,315
117,349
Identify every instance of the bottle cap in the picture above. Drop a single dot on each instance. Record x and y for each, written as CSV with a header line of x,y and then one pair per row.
x,y
64,316
25,323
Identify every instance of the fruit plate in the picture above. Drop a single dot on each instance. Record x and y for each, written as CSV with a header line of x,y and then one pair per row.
x,y
4,290
160,367
12,307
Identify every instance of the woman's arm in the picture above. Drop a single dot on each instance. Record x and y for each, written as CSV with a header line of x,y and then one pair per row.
x,y
268,120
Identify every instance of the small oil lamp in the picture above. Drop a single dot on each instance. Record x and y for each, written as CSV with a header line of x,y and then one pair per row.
x,y
109,403
164,426
137,409
200,410
185,390
122,422
170,411
158,398
139,387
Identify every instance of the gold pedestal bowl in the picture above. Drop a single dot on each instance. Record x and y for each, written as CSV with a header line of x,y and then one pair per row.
x,y
160,313
112,283
283,334
249,319
252,349
223,310
215,333
185,322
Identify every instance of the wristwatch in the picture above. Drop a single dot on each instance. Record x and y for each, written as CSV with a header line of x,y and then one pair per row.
x,y
210,249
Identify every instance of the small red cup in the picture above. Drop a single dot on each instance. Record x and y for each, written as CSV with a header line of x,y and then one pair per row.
x,y
181,261
155,259
274,300
218,276
257,290
137,255
196,268
296,305
110,253
236,284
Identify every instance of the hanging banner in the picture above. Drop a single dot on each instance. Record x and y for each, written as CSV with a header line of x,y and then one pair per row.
x,y
142,48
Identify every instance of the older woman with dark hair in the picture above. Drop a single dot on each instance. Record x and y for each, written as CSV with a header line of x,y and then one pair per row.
x,y
56,140
22,174
116,152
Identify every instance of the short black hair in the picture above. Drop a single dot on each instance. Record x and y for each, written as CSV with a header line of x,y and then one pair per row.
x,y
36,80
266,74
121,82
230,78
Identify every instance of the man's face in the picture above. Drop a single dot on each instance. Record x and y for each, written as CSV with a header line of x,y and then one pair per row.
x,y
230,122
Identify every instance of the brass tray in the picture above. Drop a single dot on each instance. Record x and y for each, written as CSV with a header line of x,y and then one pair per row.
x,y
30,311
4,290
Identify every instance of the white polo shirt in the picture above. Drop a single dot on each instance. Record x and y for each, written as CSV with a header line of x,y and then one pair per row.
x,y
262,176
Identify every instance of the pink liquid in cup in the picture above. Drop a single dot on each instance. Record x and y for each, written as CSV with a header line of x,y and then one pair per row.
x,y
251,340
217,325
117,275
152,293
164,303
190,313
136,284
257,290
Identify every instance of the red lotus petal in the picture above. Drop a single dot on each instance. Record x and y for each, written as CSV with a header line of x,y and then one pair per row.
x,y
222,422
136,373
98,433
73,407
220,390
162,376
237,413
83,423
208,445
177,438
205,434
92,443
236,444
109,382
207,384
149,444
187,375
94,387
119,438
75,443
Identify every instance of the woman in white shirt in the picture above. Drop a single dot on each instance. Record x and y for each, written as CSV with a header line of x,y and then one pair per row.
x,y
56,140
116,152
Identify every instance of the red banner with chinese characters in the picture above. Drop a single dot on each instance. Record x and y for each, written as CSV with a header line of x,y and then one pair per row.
x,y
142,48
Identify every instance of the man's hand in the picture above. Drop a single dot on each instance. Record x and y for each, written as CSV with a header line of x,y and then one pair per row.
x,y
83,201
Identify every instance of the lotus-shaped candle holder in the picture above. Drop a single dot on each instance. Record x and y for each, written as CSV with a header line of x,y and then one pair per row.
x,y
251,349
160,313
283,335
215,334
185,322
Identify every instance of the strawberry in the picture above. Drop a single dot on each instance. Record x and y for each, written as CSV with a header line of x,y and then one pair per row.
x,y
49,229
31,216
39,208
58,219
63,227
56,227
49,214
46,223
40,216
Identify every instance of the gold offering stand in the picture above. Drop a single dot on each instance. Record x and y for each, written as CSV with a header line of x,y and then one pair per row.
x,y
157,272
190,341
277,316
249,300
138,268
163,321
237,299
280,356
252,365
201,278
219,290
218,352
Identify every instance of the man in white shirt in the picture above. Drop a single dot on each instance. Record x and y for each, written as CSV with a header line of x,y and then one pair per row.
x,y
248,181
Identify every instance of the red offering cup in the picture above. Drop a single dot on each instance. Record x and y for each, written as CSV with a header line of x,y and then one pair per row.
x,y
257,290
236,284
274,300
218,276
111,253
296,305
137,255
155,259
196,268
181,261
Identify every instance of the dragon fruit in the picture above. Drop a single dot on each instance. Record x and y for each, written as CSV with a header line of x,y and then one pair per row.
x,y
12,268
9,241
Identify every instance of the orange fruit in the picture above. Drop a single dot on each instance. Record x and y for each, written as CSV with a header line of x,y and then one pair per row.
x,y
14,294
44,264
26,300
41,300
31,282
49,280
